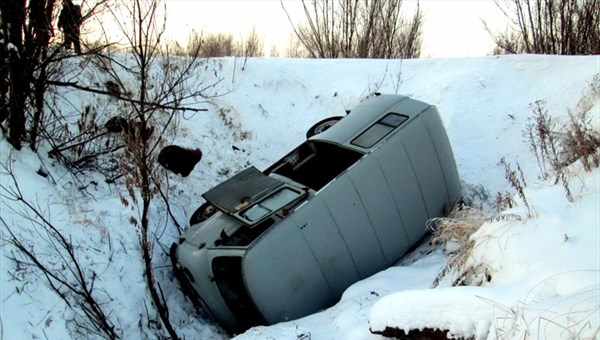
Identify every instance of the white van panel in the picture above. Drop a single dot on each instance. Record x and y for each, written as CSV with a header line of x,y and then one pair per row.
x,y
407,195
376,196
283,277
444,152
325,240
423,157
350,217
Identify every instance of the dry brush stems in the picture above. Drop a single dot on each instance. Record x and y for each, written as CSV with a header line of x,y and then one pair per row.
x,y
517,182
72,284
138,165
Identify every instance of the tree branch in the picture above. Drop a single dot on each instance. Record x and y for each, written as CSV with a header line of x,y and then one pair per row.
x,y
106,93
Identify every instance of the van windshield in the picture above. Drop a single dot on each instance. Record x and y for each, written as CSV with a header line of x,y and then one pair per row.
x,y
315,163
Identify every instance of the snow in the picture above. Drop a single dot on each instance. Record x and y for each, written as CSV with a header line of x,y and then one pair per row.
x,y
544,271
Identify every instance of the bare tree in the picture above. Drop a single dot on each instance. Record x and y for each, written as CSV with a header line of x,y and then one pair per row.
x,y
566,27
274,52
359,29
29,61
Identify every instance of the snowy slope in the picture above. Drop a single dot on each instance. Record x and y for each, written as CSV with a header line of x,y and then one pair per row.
x,y
544,268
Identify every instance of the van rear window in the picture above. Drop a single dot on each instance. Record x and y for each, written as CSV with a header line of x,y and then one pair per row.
x,y
379,130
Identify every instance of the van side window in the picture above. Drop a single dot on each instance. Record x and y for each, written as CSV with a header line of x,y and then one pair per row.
x,y
379,130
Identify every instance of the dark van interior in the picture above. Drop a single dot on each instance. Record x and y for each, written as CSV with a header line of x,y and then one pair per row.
x,y
315,163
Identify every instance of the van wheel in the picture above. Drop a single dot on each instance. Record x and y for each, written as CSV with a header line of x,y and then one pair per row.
x,y
322,126
201,214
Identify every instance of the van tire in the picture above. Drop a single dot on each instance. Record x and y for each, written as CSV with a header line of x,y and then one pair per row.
x,y
322,126
201,214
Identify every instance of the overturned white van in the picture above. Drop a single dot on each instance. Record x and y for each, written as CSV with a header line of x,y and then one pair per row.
x,y
279,244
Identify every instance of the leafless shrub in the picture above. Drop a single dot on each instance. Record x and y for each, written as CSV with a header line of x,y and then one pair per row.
x,y
68,278
549,27
252,45
218,45
359,29
213,45
547,146
543,139
295,49
581,141
274,52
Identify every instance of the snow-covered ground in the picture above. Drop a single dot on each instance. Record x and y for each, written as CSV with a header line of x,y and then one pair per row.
x,y
543,272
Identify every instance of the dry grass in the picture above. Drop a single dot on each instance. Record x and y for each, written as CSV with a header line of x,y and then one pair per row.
x,y
454,233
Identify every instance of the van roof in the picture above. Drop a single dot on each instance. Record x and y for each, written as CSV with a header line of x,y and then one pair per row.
x,y
366,114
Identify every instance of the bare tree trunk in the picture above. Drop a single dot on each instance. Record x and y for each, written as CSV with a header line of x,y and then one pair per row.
x,y
15,17
3,66
42,28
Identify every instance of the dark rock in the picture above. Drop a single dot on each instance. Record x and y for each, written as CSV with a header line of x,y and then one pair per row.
x,y
179,160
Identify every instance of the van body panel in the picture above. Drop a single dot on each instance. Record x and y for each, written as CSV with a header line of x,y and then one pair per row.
x,y
423,157
198,265
364,115
378,201
399,173
325,240
444,152
283,276
351,219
